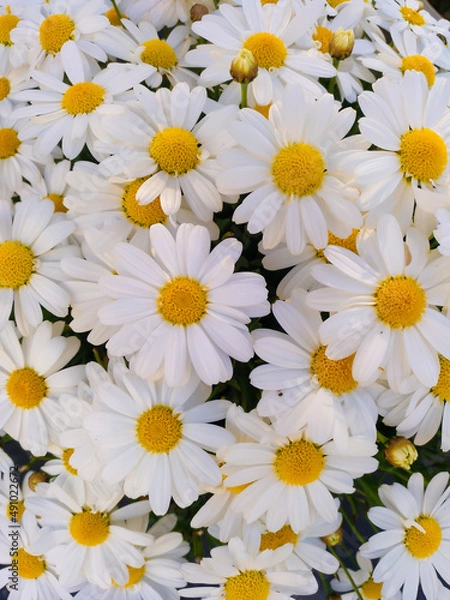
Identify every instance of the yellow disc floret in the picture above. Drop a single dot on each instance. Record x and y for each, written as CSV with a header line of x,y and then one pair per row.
x,y
371,590
159,429
5,88
83,98
322,36
271,540
411,16
334,375
299,463
251,585
264,2
113,17
135,574
400,301
8,22
182,301
263,109
9,142
423,544
159,54
298,169
26,388
334,3
423,154
58,201
142,215
55,31
422,64
30,566
67,453
442,387
89,528
175,150
16,264
269,51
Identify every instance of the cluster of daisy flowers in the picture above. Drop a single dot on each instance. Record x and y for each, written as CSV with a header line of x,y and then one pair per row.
x,y
224,300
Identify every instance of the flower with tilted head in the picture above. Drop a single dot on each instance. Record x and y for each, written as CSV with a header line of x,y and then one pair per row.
x,y
406,15
184,310
413,548
32,381
31,249
385,306
155,439
238,571
291,164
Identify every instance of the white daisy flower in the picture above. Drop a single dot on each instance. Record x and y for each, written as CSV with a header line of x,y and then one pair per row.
x,y
290,163
385,303
32,380
71,112
367,587
235,572
413,546
165,143
53,185
12,81
405,15
442,231
166,13
43,35
12,55
31,250
183,310
302,386
162,450
413,142
90,541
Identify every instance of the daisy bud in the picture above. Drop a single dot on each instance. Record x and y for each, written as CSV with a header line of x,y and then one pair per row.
x,y
198,11
333,539
341,43
401,452
334,597
244,67
36,478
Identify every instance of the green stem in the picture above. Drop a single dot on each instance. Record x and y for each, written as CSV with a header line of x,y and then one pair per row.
x,y
116,8
347,572
244,90
350,523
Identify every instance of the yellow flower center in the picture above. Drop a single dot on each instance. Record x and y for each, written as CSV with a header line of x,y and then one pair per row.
x,y
67,453
299,463
423,545
349,243
159,54
113,17
269,51
89,528
251,585
142,215
9,142
30,566
25,388
271,540
334,3
55,31
442,387
175,150
400,301
8,22
83,98
298,169
135,574
423,154
334,375
16,510
16,264
372,590
264,2
182,301
58,201
416,62
5,87
411,16
323,35
159,429
263,109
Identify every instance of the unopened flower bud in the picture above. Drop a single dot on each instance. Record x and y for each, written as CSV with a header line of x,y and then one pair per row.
x,y
333,539
244,67
198,11
36,478
334,597
400,452
342,43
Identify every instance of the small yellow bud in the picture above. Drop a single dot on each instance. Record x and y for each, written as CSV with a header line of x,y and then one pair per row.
x,y
244,67
333,539
400,452
342,43
36,478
